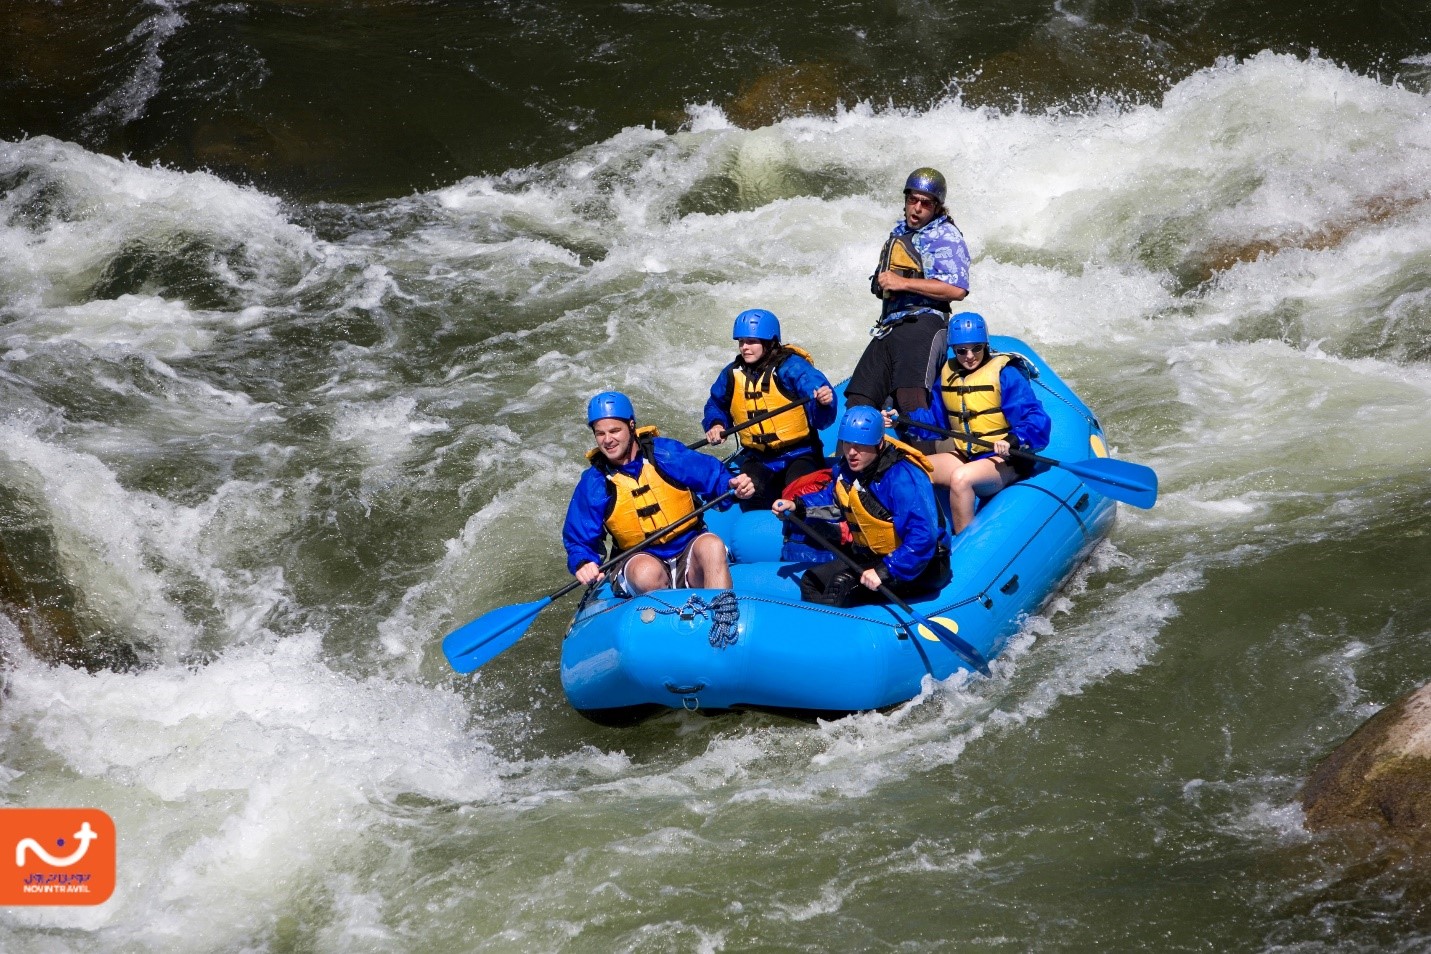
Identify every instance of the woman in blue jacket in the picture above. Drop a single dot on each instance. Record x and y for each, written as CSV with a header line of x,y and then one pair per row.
x,y
986,395
767,375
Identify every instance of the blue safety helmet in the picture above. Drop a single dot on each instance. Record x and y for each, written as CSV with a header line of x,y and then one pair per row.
x,y
756,323
967,328
610,404
862,424
929,181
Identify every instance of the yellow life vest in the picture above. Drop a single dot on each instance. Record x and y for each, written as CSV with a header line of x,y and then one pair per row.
x,y
901,257
752,395
871,523
639,506
974,404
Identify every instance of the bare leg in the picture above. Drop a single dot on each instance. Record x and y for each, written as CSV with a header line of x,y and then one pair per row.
x,y
708,568
909,400
645,573
945,464
980,478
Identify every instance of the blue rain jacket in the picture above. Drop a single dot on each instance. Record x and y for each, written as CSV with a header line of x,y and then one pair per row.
x,y
797,378
584,532
905,491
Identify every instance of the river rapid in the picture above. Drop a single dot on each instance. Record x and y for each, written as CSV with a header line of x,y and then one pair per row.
x,y
262,443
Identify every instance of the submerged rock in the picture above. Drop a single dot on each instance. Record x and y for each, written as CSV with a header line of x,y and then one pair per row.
x,y
40,605
801,89
1380,775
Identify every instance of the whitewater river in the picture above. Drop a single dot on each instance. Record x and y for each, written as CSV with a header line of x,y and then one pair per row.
x,y
264,451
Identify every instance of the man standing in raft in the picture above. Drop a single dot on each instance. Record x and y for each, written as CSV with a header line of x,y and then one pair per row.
x,y
984,395
639,482
881,489
924,266
764,376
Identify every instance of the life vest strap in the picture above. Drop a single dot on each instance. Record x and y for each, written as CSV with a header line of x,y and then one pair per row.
x,y
759,393
665,500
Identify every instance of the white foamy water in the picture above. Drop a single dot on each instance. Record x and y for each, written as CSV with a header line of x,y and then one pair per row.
x,y
277,452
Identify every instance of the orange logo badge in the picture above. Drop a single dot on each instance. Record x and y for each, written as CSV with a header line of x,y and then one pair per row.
x,y
56,856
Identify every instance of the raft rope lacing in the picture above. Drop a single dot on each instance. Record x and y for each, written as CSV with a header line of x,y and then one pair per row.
x,y
818,608
723,611
1092,421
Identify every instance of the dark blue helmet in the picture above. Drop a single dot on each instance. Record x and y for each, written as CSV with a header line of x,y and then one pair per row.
x,y
862,424
929,181
610,404
756,323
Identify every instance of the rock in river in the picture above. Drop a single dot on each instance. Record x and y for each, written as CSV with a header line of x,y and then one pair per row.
x,y
1381,774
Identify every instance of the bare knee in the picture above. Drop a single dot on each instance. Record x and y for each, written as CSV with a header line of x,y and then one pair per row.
x,y
963,480
709,551
645,573
944,466
708,565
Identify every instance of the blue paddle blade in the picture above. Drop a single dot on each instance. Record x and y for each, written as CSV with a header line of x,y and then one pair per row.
x,y
1130,483
959,647
489,635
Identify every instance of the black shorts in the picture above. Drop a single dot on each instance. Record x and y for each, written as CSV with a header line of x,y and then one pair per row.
x,y
907,357
771,479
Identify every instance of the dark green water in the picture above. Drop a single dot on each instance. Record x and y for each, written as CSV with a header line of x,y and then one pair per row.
x,y
299,305
361,99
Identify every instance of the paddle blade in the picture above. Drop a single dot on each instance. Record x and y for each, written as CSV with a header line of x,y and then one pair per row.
x,y
958,646
489,635
1130,483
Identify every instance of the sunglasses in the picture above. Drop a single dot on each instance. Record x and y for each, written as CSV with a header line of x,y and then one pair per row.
x,y
971,349
921,200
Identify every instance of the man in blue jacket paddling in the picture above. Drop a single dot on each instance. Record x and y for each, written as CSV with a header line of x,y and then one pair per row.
x,y
881,488
981,394
639,482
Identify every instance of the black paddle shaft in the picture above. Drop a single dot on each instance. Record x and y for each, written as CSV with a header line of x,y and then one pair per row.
x,y
655,534
1013,451
754,420
1131,483
970,655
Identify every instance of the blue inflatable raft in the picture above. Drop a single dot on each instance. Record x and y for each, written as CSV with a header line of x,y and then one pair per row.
x,y
762,647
